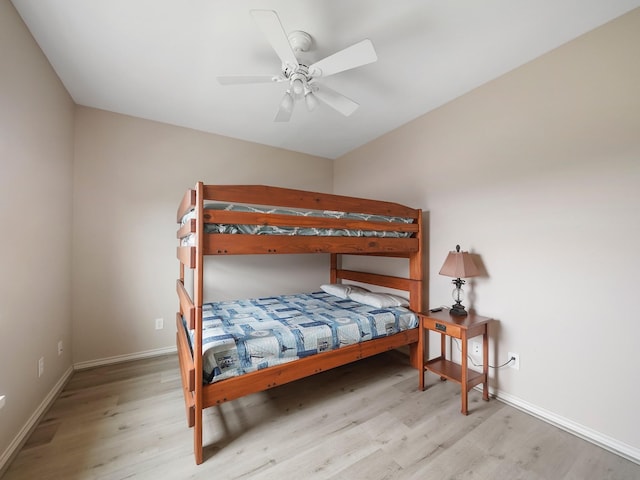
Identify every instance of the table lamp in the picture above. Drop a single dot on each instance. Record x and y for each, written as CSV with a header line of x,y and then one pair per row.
x,y
459,265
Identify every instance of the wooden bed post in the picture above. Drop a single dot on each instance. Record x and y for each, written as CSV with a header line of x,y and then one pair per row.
x,y
198,294
334,268
416,274
416,271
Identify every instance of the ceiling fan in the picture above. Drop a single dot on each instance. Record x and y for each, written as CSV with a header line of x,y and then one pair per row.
x,y
301,78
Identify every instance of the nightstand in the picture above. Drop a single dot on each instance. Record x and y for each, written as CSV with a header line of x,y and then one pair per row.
x,y
461,328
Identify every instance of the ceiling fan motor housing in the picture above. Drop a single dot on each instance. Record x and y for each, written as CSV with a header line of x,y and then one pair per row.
x,y
300,41
298,78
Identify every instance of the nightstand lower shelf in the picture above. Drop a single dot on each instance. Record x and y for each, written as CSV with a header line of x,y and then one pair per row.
x,y
453,371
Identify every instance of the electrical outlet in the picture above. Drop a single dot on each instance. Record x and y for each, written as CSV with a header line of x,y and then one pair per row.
x,y
2,401
60,349
515,364
476,348
40,367
159,323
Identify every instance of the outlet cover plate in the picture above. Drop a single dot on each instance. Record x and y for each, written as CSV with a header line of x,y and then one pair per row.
x,y
159,323
516,363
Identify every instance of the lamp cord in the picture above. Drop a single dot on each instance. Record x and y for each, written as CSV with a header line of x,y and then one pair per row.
x,y
481,365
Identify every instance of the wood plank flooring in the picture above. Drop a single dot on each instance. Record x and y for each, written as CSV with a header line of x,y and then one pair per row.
x,y
366,420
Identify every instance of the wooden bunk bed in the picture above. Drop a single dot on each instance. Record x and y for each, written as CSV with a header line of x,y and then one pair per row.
x,y
200,395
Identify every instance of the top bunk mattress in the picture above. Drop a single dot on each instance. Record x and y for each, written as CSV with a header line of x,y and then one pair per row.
x,y
242,336
261,229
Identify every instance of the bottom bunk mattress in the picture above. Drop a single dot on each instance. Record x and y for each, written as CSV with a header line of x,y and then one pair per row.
x,y
242,336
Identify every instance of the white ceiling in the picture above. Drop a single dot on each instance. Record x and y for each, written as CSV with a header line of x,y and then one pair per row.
x,y
158,59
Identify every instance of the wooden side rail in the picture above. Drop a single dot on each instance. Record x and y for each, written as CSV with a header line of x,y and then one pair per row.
x,y
285,197
398,283
187,256
187,308
187,370
230,244
187,228
184,352
236,387
187,203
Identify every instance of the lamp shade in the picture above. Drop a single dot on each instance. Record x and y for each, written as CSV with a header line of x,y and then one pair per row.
x,y
459,265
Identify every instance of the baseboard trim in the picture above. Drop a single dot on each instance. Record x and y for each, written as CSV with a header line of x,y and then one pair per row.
x,y
611,444
124,358
22,436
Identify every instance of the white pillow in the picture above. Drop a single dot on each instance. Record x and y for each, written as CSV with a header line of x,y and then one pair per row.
x,y
341,290
379,299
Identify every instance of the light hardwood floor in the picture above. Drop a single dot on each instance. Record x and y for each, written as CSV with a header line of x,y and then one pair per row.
x,y
366,420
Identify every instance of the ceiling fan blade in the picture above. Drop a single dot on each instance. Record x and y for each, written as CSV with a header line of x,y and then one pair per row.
x,y
269,22
335,100
286,108
354,56
240,79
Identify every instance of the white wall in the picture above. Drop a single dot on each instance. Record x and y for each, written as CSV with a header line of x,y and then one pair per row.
x,y
129,176
36,151
538,172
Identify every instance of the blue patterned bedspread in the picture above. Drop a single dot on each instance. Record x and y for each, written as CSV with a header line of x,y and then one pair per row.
x,y
247,335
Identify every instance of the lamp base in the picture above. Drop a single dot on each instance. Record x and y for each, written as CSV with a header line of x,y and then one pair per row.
x,y
458,310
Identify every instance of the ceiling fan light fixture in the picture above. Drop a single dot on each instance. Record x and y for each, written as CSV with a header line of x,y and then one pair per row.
x,y
310,100
287,102
297,85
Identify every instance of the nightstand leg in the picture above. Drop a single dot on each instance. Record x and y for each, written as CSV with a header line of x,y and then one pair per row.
x,y
422,340
463,384
443,350
485,364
